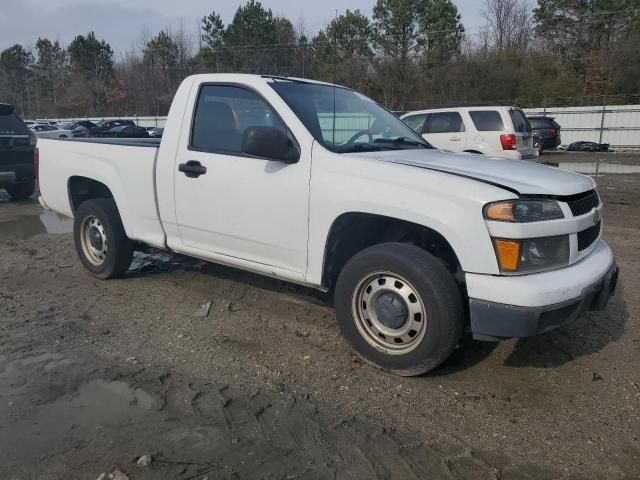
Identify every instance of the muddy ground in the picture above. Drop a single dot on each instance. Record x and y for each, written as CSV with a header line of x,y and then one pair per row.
x,y
94,375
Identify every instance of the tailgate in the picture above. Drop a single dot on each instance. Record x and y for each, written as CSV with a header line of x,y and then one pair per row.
x,y
15,150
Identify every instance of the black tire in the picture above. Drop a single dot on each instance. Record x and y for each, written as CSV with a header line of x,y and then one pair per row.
x,y
119,253
22,191
437,290
537,144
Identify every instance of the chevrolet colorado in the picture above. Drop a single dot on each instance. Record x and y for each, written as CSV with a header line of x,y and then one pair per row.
x,y
317,184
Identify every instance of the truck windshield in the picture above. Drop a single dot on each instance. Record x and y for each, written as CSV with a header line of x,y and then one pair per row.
x,y
343,120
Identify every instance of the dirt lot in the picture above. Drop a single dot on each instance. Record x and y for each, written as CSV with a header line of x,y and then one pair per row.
x,y
94,375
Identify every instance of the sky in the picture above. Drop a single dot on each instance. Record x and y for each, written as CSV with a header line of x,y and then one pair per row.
x,y
121,22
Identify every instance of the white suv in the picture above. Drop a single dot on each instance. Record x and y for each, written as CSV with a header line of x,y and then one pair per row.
x,y
495,131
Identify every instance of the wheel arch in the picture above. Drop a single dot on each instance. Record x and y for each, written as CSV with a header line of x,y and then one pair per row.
x,y
80,189
352,232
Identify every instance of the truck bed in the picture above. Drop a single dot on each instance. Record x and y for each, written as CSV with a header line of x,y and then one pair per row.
x,y
123,142
126,166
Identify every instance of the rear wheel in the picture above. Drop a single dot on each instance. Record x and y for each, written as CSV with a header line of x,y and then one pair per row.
x,y
100,239
400,308
537,144
22,191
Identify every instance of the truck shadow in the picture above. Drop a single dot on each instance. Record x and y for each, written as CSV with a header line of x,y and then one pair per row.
x,y
588,335
150,261
468,354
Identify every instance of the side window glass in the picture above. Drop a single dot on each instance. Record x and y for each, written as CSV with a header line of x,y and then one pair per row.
x,y
446,122
520,122
223,115
416,122
487,120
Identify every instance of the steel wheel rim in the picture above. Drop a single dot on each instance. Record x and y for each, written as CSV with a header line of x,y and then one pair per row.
x,y
93,238
394,341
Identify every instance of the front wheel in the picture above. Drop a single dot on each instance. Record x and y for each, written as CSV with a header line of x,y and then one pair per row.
x,y
400,308
100,239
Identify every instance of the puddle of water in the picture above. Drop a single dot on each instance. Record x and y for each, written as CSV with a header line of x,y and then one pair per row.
x,y
605,167
56,224
29,225
107,401
81,414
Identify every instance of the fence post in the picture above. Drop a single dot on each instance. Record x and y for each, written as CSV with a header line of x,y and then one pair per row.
x,y
604,111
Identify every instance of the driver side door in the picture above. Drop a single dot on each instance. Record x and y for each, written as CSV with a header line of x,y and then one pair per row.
x,y
239,207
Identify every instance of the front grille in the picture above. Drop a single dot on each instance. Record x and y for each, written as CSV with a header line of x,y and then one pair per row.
x,y
583,202
588,236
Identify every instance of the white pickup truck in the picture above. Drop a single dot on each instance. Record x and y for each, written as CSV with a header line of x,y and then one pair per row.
x,y
317,184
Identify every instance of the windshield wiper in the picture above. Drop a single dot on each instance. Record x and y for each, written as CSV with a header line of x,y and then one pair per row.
x,y
401,141
361,147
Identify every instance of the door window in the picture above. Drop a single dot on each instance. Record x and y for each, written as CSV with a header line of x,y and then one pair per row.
x,y
446,122
224,113
487,120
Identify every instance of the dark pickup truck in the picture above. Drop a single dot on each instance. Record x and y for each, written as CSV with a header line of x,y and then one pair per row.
x,y
18,155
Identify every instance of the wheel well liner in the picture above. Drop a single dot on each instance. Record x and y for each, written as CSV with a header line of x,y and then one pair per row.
x,y
82,189
355,231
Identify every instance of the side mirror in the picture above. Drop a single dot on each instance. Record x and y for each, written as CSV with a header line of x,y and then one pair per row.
x,y
271,143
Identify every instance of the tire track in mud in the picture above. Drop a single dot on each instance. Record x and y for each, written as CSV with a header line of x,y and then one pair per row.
x,y
74,417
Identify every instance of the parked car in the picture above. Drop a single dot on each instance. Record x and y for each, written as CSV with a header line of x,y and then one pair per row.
x,y
494,131
69,130
417,245
44,122
37,128
18,155
546,133
156,132
123,131
107,125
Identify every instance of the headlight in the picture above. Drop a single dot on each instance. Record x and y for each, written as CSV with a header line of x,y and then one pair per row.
x,y
523,211
533,254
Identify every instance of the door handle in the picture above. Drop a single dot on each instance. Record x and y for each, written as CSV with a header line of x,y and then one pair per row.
x,y
455,139
192,169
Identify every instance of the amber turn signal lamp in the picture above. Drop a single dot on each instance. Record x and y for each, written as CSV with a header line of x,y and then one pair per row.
x,y
508,254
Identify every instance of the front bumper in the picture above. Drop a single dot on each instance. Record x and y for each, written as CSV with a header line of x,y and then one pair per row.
x,y
532,304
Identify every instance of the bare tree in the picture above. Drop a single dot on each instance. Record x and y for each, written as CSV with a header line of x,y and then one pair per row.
x,y
509,24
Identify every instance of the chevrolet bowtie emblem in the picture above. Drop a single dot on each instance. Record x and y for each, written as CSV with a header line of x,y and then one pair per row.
x,y
596,217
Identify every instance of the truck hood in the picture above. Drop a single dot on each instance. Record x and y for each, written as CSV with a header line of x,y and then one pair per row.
x,y
521,176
